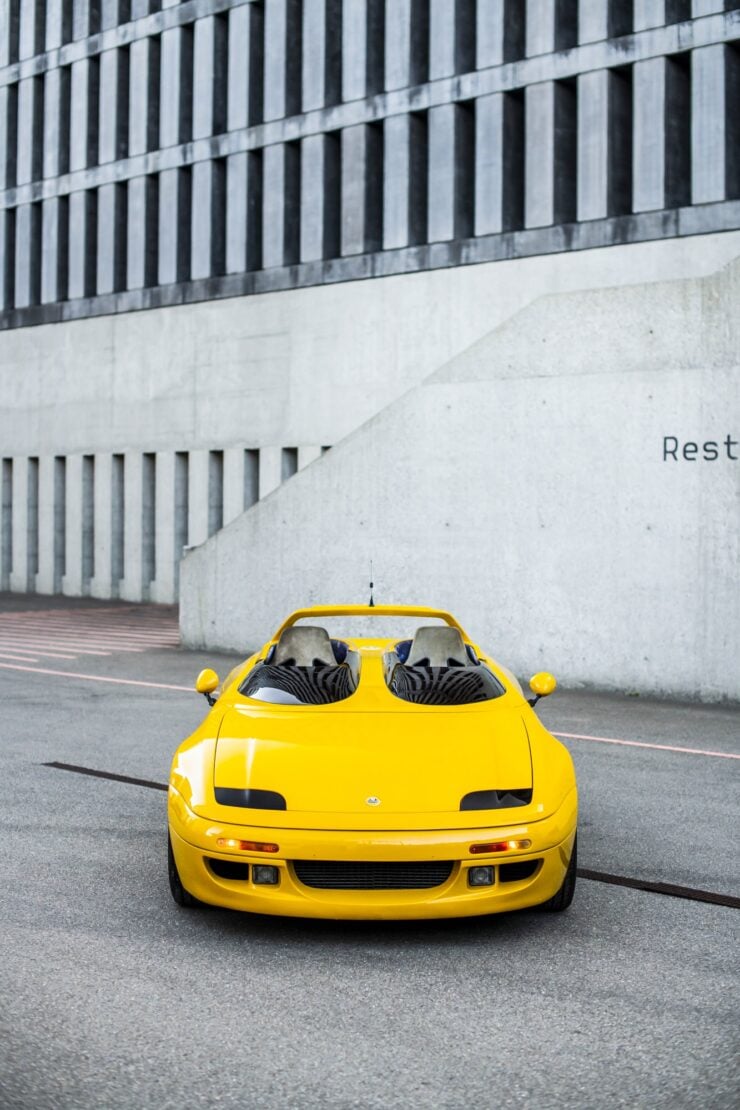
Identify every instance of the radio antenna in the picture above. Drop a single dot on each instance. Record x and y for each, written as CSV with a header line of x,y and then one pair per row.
x,y
372,601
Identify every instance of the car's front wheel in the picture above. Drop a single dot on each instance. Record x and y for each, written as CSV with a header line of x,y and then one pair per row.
x,y
179,893
563,898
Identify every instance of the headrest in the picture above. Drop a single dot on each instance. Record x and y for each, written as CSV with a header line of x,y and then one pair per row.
x,y
437,646
304,644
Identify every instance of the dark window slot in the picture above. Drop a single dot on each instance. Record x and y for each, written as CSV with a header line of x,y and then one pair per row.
x,y
619,156
218,216
419,60
464,170
220,72
215,491
620,18
512,186
375,48
88,521
153,81
333,52
60,522
374,188
418,177
118,534
6,523
566,24
254,209
678,131
256,63
465,19
32,523
565,161
148,520
151,233
293,56
185,122
184,217
292,201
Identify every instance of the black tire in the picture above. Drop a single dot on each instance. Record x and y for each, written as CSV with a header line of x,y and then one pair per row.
x,y
563,898
179,893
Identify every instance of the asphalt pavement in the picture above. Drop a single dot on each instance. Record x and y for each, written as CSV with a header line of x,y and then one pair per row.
x,y
111,996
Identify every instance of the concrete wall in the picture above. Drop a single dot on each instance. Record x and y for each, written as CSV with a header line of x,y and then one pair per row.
x,y
526,486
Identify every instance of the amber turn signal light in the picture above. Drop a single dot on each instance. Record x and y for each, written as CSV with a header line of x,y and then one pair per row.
x,y
246,845
500,846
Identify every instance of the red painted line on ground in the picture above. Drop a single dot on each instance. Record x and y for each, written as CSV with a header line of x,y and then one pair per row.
x,y
644,744
96,677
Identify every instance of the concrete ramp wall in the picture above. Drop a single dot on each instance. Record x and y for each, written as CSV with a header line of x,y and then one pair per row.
x,y
555,485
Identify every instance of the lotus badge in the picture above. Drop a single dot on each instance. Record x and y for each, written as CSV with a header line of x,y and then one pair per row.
x,y
373,801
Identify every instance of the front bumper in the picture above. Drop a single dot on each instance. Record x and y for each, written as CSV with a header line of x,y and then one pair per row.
x,y
194,843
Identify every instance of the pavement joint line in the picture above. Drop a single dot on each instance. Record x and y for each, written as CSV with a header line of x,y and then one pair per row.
x,y
645,744
692,894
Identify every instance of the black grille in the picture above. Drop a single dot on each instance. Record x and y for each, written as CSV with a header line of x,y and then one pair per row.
x,y
338,875
228,869
515,872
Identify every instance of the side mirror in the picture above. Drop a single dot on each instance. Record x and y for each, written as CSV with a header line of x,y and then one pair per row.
x,y
206,683
541,684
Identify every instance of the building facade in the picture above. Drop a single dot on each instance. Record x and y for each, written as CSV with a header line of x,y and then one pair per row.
x,y
233,231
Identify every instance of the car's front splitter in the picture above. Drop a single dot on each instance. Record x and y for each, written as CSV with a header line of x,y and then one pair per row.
x,y
195,846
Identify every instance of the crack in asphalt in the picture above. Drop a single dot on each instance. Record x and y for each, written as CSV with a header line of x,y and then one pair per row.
x,y
672,890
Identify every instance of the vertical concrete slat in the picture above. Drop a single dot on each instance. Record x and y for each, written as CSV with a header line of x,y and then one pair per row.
x,y
443,122
239,66
72,580
198,497
276,50
45,576
130,586
203,77
593,144
233,490
490,31
50,251
175,89
442,15
539,154
236,213
202,228
101,584
489,157
396,182
24,161
19,574
162,589
354,49
648,153
140,53
112,63
361,188
314,54
593,20
136,233
52,138
53,24
540,34
32,29
274,215
708,124
270,469
406,43
308,454
708,7
648,13
319,216
172,219
78,141
23,255
82,237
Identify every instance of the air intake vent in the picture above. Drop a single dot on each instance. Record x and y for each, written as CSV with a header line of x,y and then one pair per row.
x,y
516,872
340,875
496,799
249,799
228,869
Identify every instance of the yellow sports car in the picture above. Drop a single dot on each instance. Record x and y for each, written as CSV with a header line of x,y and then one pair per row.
x,y
372,778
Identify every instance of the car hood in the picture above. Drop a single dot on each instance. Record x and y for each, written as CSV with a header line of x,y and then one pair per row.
x,y
417,765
